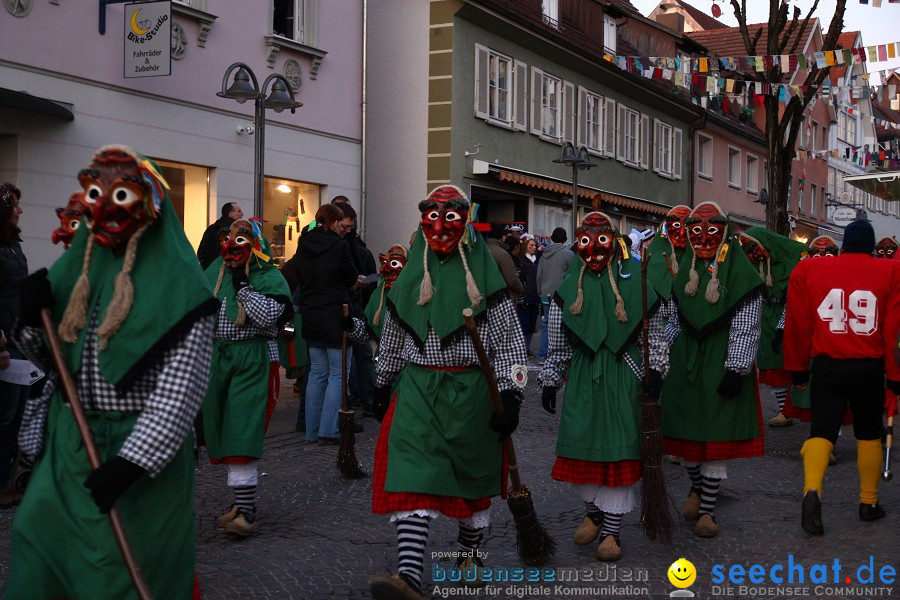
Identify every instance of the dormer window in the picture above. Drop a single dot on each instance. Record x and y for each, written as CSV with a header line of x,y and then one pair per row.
x,y
550,12
609,34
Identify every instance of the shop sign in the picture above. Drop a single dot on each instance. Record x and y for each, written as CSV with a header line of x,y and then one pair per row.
x,y
148,37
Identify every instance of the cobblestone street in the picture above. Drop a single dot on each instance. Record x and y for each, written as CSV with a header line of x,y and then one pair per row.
x,y
316,537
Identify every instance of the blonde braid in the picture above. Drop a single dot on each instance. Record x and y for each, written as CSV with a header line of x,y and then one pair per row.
x,y
475,296
578,305
712,288
672,259
75,316
219,280
123,292
693,284
769,282
376,320
426,289
621,315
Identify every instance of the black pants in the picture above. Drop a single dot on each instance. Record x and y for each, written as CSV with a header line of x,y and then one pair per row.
x,y
834,383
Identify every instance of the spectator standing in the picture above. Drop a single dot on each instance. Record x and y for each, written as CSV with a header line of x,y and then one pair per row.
x,y
13,269
531,303
555,261
325,274
498,244
208,251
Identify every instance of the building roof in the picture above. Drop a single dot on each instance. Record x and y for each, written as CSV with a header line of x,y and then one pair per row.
x,y
703,20
727,41
846,40
625,5
882,112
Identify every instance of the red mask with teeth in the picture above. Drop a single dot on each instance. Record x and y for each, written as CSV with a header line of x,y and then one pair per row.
x,y
675,228
596,240
706,230
69,220
113,199
886,248
823,246
237,244
753,249
444,216
391,264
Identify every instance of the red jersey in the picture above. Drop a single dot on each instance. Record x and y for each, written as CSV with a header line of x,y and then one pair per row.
x,y
845,306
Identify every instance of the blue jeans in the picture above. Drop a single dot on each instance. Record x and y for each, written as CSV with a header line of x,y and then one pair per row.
x,y
362,376
545,340
323,392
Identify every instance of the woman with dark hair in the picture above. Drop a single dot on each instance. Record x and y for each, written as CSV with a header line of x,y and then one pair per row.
x,y
13,269
530,307
325,273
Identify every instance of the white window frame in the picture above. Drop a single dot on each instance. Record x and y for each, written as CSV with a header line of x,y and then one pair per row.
x,y
752,173
628,136
734,169
704,141
813,198
842,125
550,12
591,121
549,106
814,135
610,34
305,22
851,130
663,149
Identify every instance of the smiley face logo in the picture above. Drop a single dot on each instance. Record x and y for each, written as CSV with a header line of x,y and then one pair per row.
x,y
682,573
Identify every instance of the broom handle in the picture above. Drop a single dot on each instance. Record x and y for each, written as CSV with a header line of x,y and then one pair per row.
x,y
668,265
488,371
645,328
90,447
345,402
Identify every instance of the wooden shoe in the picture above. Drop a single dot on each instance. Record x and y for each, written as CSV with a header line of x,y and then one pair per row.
x,y
240,525
691,509
392,587
811,514
472,570
229,516
780,420
706,527
587,532
609,549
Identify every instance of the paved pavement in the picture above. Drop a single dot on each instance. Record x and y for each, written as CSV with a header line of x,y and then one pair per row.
x,y
317,538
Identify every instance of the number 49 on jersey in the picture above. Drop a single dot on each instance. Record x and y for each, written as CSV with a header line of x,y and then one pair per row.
x,y
862,306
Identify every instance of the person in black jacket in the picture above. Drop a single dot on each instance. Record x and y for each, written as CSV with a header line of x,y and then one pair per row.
x,y
325,273
209,248
530,307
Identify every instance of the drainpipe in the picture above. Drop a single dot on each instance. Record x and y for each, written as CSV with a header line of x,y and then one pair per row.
x,y
699,124
362,169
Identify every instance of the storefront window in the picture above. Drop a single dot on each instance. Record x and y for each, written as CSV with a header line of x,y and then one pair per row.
x,y
189,193
288,207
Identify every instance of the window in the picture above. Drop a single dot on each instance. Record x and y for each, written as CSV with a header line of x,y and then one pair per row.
x,y
550,12
752,174
734,168
296,20
629,137
704,156
803,134
851,130
591,121
288,206
552,107
547,217
189,194
813,198
842,125
813,137
609,34
667,150
500,84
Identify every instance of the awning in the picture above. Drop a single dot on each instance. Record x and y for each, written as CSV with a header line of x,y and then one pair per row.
x,y
27,102
594,195
745,221
884,185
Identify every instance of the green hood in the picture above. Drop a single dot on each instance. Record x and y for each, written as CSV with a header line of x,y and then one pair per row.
x,y
784,255
658,274
265,278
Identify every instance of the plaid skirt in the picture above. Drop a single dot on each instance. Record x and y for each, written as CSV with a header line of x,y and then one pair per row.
x,y
609,474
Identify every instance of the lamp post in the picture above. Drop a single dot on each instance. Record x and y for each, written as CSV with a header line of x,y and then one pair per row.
x,y
578,160
246,87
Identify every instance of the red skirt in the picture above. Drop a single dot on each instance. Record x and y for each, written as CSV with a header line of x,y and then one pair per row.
x,y
384,502
775,377
694,451
271,401
609,474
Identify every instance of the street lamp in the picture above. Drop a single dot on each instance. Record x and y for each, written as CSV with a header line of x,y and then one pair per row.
x,y
578,160
245,87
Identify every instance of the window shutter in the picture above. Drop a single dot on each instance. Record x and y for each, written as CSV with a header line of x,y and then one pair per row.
x,y
568,125
311,23
657,147
521,100
482,78
620,134
676,154
609,128
537,112
581,126
644,141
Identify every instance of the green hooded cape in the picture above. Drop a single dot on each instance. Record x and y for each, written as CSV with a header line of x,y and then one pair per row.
x,y
170,295
658,275
372,307
444,312
265,278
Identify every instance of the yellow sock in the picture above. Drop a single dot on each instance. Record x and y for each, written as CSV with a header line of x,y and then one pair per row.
x,y
868,461
815,454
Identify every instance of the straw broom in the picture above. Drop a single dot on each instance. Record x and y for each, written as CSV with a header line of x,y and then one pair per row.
x,y
656,520
90,447
533,542
346,460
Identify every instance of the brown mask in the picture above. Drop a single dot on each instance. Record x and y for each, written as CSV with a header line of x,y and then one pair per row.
x,y
706,230
886,248
69,220
823,246
237,244
391,264
596,240
676,230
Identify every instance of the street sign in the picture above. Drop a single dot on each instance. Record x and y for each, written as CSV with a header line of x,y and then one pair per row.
x,y
148,39
843,215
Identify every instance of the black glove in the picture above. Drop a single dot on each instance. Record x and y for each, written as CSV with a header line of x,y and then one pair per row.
x,y
548,399
239,279
347,323
777,341
382,402
799,378
110,480
654,387
35,294
730,385
894,386
506,424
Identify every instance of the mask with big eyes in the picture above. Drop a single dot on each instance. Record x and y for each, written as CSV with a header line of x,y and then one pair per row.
x,y
596,241
823,246
753,249
113,199
886,248
236,245
69,220
444,216
391,264
706,230
676,230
